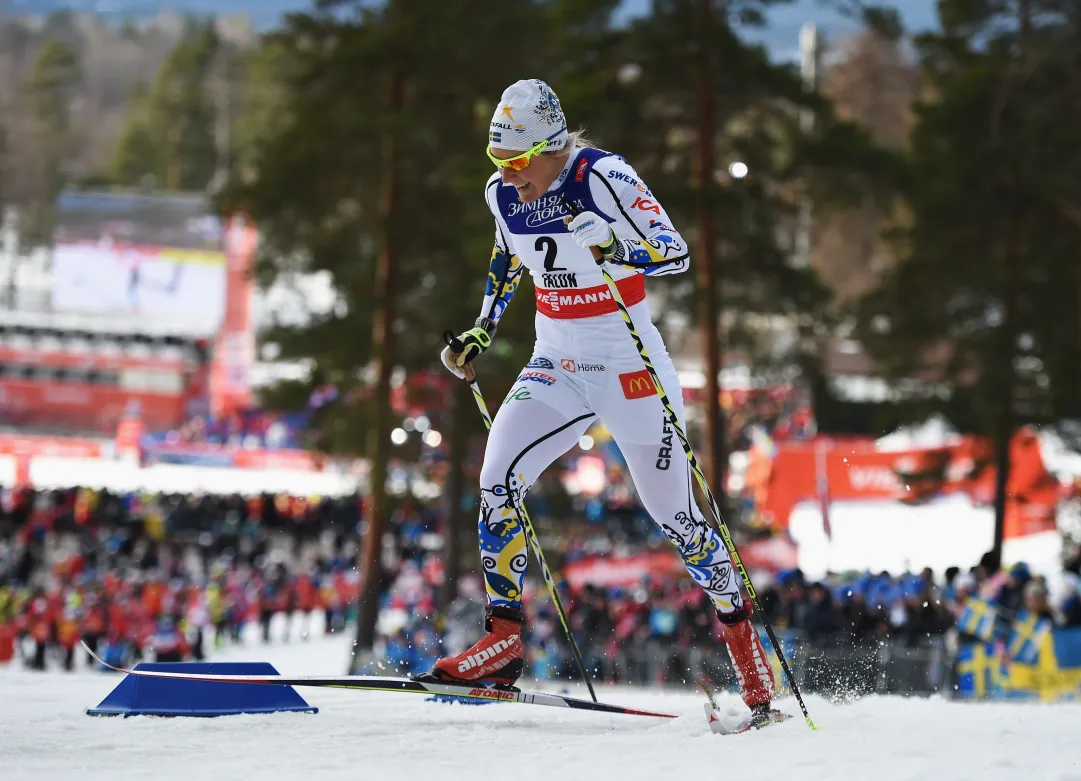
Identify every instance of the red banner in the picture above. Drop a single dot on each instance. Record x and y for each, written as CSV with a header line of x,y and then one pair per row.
x,y
84,407
229,456
128,435
605,571
299,460
858,472
73,360
69,447
773,554
234,349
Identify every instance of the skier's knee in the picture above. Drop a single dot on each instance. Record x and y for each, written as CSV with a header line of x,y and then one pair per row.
x,y
492,473
500,485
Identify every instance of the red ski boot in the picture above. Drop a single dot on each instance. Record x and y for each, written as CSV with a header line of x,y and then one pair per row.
x,y
753,672
495,660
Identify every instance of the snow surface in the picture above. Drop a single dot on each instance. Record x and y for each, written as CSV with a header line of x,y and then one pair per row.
x,y
45,734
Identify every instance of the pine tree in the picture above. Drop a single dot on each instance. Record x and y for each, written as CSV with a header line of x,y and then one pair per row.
x,y
138,154
706,100
49,92
317,182
169,138
984,304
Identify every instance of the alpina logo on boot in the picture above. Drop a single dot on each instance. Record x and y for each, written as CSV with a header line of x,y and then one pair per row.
x,y
758,681
483,655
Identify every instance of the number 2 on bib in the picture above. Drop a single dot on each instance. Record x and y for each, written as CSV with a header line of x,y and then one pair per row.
x,y
547,245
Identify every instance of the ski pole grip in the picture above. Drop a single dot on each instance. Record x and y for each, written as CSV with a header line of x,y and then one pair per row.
x,y
456,346
453,341
574,211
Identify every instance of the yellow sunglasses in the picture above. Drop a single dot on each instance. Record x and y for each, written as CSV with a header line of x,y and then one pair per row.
x,y
518,162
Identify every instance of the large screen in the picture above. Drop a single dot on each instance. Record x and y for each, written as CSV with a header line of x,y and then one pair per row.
x,y
155,257
159,283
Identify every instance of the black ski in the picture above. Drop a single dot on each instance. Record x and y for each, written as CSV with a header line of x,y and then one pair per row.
x,y
384,684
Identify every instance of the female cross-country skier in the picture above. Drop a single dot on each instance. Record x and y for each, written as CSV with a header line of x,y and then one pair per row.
x,y
584,366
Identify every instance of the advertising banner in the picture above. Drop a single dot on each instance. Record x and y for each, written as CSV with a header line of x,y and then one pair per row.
x,y
68,447
234,348
773,554
231,457
825,472
85,407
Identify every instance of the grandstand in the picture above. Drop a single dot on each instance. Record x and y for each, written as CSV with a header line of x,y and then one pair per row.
x,y
80,374
137,320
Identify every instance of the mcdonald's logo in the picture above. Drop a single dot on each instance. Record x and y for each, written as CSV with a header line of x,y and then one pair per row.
x,y
637,385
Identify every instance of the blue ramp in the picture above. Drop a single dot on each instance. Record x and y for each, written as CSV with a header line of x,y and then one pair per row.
x,y
141,696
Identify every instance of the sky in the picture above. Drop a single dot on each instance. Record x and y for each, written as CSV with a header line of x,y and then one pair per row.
x,y
781,37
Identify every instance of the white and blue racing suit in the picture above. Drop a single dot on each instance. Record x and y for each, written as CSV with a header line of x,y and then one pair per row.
x,y
585,366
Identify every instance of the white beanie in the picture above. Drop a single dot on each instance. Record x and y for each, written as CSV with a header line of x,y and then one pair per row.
x,y
528,113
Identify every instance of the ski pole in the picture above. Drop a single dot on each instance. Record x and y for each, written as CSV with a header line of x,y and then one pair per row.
x,y
523,518
729,543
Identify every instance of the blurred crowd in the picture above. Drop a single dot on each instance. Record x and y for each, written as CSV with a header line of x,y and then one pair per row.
x,y
782,413
126,618
251,428
1016,590
169,576
648,632
159,575
914,607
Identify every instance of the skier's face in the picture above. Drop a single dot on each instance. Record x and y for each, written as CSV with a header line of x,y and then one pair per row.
x,y
532,181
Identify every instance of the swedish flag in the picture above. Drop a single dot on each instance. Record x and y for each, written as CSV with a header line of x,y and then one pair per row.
x,y
979,673
978,619
1026,635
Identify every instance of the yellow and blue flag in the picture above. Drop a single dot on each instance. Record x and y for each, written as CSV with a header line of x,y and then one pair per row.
x,y
1026,635
979,671
1036,663
978,619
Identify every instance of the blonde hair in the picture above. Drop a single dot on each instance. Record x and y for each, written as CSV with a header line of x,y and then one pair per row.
x,y
580,140
576,139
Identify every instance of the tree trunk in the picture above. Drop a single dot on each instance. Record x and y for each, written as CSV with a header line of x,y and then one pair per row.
x,y
371,575
708,315
1074,410
1005,424
1008,345
463,421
